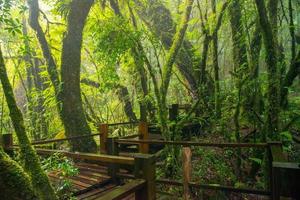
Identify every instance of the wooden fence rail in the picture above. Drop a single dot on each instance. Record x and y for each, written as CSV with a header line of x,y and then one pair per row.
x,y
188,143
144,164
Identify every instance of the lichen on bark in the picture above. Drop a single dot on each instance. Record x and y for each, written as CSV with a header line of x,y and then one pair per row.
x,y
15,184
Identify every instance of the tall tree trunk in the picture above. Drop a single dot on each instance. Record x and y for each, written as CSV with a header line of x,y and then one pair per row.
x,y
272,68
292,31
215,55
290,76
273,18
158,18
294,69
14,182
125,98
39,85
68,96
238,37
29,81
32,166
256,101
139,66
36,110
241,68
51,65
74,119
139,56
170,60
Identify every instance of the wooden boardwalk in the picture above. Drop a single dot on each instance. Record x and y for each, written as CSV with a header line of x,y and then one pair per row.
x,y
98,182
91,183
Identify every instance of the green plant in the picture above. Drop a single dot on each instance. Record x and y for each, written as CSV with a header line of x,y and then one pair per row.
x,y
65,168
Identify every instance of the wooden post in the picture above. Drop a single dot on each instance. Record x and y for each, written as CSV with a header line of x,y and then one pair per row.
x,y
112,149
275,152
144,168
144,135
173,112
103,130
7,140
187,170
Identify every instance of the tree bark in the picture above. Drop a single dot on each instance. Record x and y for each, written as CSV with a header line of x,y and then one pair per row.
x,y
125,98
272,68
40,180
142,74
158,18
14,182
51,65
75,122
294,68
123,95
170,60
256,101
290,76
215,54
68,95
36,110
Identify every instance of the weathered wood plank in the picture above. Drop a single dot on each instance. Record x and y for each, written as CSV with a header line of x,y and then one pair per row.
x,y
187,170
123,191
103,130
95,193
144,135
188,143
89,156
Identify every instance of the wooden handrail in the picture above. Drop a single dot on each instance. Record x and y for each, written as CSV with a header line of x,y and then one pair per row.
x,y
214,187
188,143
63,139
88,156
123,123
204,186
130,136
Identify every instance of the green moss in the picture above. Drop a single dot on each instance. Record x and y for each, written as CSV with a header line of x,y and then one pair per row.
x,y
32,166
14,182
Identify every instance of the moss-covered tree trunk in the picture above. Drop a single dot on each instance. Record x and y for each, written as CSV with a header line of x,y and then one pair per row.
x,y
32,165
51,65
170,60
241,68
255,49
67,90
74,119
294,69
139,63
36,109
15,184
124,97
215,55
273,73
292,73
159,19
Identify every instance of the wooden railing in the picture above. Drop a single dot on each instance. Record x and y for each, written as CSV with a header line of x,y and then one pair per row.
x,y
273,150
144,164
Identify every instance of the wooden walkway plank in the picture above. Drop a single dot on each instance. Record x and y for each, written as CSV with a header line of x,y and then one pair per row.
x,y
94,193
124,191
